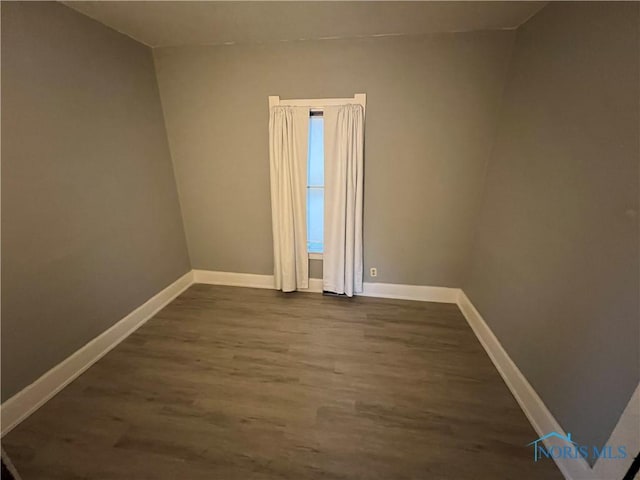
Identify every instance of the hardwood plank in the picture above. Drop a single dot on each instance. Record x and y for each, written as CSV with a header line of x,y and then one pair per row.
x,y
235,383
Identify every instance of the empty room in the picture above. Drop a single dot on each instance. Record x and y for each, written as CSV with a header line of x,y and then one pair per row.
x,y
320,240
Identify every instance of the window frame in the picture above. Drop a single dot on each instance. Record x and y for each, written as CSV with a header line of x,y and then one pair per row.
x,y
319,104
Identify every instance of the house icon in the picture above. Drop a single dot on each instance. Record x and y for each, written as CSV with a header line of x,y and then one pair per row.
x,y
566,438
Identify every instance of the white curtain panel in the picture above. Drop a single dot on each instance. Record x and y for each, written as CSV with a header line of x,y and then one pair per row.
x,y
288,139
343,197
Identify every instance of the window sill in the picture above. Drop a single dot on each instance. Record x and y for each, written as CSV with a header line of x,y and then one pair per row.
x,y
315,256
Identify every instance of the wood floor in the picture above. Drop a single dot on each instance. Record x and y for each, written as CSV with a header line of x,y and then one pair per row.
x,y
233,383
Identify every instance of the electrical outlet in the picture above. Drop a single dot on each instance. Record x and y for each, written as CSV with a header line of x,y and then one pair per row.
x,y
373,272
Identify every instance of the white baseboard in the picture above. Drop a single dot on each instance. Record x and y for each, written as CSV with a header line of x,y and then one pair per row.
x,y
381,290
626,432
315,285
232,279
28,400
532,405
249,280
411,292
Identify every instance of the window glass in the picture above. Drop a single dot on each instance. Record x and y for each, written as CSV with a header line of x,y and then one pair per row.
x,y
315,186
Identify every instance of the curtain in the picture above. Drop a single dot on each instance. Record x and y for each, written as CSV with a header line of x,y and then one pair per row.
x,y
288,138
344,145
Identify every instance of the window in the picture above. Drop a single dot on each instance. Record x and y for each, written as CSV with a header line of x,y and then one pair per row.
x,y
315,184
315,163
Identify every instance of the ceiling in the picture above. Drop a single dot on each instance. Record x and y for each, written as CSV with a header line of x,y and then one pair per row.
x,y
177,23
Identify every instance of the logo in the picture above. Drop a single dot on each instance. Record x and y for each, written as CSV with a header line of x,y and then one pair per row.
x,y
555,445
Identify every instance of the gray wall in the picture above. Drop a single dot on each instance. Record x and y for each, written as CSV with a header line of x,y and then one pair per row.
x,y
555,265
91,225
431,108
